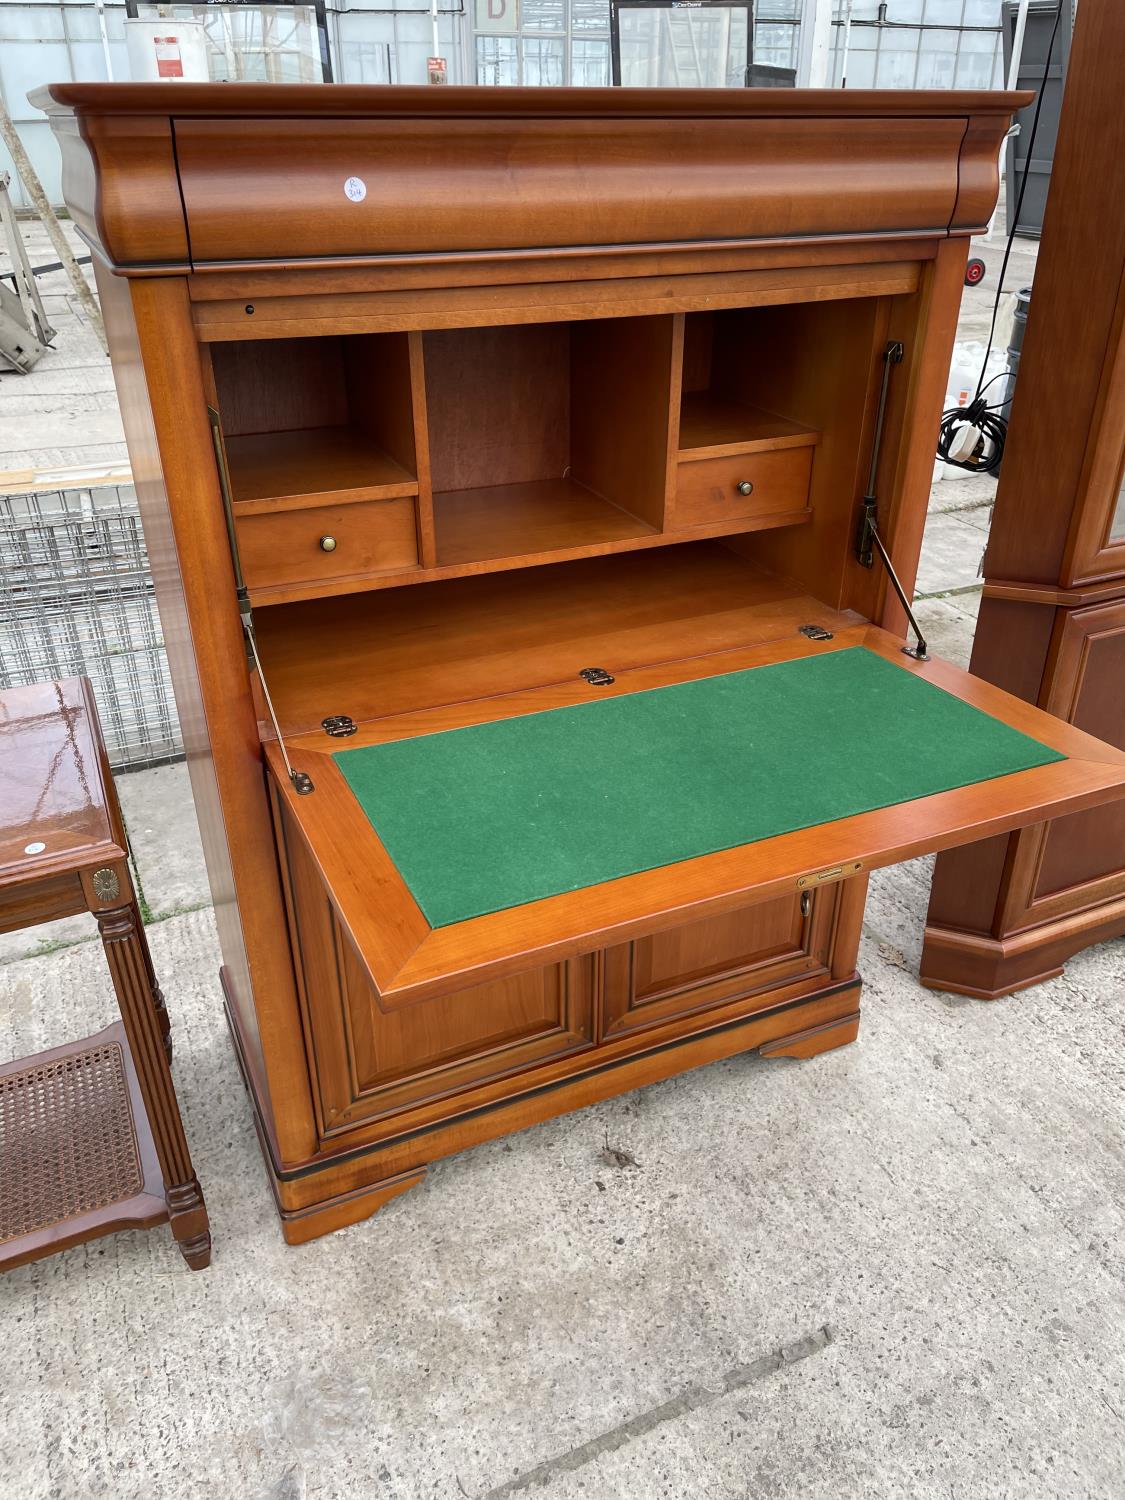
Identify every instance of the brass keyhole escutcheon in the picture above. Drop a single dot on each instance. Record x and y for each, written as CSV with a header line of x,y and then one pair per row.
x,y
328,544
744,487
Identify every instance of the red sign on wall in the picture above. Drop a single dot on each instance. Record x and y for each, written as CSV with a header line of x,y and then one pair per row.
x,y
169,63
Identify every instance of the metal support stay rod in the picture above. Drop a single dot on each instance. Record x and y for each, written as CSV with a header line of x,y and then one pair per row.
x,y
919,652
868,540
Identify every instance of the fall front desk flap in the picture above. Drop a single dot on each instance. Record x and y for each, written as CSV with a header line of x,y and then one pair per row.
x,y
500,814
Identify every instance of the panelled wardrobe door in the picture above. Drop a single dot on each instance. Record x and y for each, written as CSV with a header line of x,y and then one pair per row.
x,y
1077,861
1096,546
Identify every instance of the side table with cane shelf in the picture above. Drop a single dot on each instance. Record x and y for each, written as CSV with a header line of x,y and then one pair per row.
x,y
91,1139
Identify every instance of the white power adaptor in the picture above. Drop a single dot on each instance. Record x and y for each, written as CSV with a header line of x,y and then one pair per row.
x,y
965,442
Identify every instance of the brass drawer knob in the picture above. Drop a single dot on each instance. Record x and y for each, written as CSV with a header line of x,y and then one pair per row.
x,y
328,544
744,487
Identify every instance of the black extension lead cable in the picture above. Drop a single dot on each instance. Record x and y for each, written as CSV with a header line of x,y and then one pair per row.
x,y
972,437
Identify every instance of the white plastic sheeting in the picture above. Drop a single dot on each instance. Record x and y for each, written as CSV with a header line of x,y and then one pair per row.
x,y
51,41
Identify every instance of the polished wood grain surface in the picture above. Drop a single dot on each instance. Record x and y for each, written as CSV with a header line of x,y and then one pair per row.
x,y
545,516
1009,912
318,465
458,102
1074,330
578,426
486,428
383,654
745,485
545,182
762,355
164,410
56,814
325,543
714,426
431,293
63,850
121,184
701,965
822,162
364,884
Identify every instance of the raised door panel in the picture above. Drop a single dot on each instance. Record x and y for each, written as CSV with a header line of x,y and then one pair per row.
x,y
370,1059
433,1047
1087,849
707,964
1096,545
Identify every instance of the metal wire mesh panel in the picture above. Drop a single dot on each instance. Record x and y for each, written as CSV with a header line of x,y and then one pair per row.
x,y
76,598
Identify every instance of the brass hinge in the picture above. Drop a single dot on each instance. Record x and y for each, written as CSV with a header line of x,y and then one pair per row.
x,y
826,877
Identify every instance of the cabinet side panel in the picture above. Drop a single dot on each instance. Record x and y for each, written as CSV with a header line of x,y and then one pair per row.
x,y
159,384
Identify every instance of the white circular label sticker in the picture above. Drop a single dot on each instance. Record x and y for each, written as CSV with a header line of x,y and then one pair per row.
x,y
36,848
356,189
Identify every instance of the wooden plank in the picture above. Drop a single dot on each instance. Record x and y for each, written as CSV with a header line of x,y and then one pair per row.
x,y
515,520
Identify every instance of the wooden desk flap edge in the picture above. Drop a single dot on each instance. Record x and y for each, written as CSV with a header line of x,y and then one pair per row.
x,y
406,960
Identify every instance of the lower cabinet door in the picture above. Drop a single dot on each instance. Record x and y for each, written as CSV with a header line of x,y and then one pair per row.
x,y
754,950
431,1048
371,1059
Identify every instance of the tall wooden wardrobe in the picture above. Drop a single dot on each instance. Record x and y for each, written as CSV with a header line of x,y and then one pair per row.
x,y
1008,912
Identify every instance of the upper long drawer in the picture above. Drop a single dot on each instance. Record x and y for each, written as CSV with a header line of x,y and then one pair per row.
x,y
212,175
357,188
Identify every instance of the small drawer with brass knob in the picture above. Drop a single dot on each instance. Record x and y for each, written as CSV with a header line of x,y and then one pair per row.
x,y
287,549
737,487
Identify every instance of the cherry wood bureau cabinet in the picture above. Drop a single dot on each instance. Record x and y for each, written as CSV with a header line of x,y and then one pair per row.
x,y
1008,912
511,401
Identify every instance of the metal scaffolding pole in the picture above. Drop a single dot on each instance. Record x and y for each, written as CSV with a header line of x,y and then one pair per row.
x,y
30,179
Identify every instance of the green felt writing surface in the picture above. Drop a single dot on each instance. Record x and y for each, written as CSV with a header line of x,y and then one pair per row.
x,y
497,815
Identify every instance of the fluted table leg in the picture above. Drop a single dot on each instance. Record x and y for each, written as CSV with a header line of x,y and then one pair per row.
x,y
146,1026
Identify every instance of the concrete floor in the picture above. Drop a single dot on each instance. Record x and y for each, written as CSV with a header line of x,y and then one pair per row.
x,y
64,412
896,1270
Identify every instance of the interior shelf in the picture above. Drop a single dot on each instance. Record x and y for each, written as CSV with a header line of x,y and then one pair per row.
x,y
712,425
367,462
313,464
544,515
316,421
